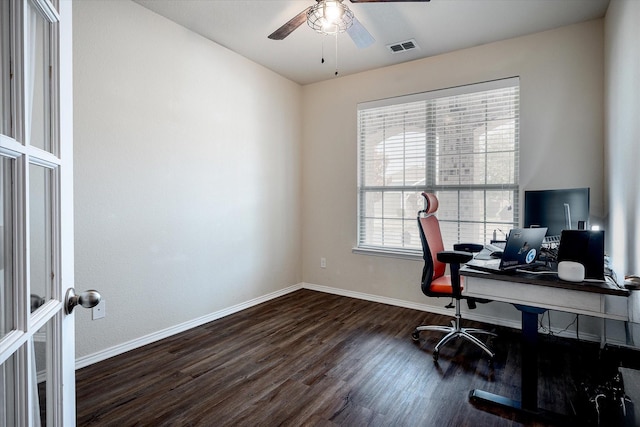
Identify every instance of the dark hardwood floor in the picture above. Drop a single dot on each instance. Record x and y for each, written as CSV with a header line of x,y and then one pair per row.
x,y
310,358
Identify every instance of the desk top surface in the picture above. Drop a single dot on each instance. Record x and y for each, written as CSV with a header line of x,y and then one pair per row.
x,y
549,280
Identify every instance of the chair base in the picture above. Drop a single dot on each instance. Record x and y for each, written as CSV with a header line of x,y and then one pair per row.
x,y
455,331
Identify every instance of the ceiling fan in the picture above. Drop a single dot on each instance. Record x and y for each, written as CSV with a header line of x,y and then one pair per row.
x,y
331,17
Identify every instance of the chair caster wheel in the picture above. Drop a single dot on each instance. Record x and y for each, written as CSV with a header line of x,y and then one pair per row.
x,y
435,356
415,336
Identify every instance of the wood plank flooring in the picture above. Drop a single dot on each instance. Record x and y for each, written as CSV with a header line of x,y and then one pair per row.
x,y
310,358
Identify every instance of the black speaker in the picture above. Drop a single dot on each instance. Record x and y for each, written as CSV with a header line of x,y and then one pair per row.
x,y
585,247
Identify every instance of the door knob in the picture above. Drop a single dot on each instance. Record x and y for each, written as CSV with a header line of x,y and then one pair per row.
x,y
86,299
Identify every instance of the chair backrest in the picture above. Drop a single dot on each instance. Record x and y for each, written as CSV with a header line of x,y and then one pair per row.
x,y
431,238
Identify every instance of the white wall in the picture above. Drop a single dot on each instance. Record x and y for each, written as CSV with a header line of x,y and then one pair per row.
x,y
622,82
561,134
622,136
204,180
187,174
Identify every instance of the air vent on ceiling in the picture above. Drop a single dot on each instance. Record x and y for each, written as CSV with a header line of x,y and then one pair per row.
x,y
403,46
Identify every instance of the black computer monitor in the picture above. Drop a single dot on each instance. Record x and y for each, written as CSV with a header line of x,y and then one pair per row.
x,y
566,209
585,247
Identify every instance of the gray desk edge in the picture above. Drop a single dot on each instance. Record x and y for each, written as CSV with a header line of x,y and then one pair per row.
x,y
548,280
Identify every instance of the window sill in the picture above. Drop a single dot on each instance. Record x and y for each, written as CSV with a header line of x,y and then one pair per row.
x,y
388,253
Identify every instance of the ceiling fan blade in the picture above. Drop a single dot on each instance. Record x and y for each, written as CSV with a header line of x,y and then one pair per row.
x,y
291,25
360,35
387,1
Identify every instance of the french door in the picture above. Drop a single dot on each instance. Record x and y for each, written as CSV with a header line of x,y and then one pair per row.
x,y
37,380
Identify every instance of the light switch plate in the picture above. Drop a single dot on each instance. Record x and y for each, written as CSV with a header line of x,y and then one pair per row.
x,y
99,311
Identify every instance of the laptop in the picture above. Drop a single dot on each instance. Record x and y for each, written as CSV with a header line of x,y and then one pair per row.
x,y
520,252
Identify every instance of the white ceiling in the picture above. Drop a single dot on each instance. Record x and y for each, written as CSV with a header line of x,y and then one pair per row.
x,y
437,26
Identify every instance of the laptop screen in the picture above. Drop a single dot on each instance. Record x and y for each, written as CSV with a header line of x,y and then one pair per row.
x,y
523,247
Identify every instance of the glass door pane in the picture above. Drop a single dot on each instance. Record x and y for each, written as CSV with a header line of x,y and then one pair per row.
x,y
37,81
7,302
7,392
40,234
5,70
42,362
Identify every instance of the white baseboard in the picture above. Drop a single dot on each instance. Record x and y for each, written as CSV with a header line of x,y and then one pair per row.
x,y
84,361
446,312
81,362
413,305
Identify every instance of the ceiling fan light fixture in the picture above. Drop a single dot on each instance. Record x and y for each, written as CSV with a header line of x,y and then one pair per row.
x,y
330,17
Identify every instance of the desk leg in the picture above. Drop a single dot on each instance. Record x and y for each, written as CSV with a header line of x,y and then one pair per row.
x,y
529,357
528,367
529,375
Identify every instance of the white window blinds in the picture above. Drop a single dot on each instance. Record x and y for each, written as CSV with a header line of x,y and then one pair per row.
x,y
459,143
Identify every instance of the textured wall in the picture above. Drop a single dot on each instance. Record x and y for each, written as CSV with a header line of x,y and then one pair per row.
x,y
187,174
561,137
622,35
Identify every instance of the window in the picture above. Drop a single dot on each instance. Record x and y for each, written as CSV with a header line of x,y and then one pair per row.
x,y
459,143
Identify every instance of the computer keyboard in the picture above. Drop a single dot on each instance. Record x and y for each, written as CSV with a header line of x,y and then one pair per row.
x,y
551,240
490,251
494,247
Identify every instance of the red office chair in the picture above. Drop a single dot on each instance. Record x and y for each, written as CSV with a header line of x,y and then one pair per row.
x,y
436,284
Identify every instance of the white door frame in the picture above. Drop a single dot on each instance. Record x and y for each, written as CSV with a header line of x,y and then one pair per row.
x,y
18,343
68,350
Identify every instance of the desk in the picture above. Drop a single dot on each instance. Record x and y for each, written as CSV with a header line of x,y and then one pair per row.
x,y
533,294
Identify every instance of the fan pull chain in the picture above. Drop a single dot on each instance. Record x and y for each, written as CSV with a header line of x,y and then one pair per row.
x,y
336,54
322,52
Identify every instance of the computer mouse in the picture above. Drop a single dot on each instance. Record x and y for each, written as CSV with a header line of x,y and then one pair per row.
x,y
496,254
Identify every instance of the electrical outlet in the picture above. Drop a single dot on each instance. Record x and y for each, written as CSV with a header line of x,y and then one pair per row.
x,y
99,311
323,263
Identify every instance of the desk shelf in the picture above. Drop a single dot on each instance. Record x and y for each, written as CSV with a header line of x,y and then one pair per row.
x,y
587,298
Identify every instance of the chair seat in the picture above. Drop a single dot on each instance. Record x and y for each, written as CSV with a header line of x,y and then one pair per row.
x,y
442,285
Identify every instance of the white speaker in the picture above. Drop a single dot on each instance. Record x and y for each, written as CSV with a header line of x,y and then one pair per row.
x,y
571,271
